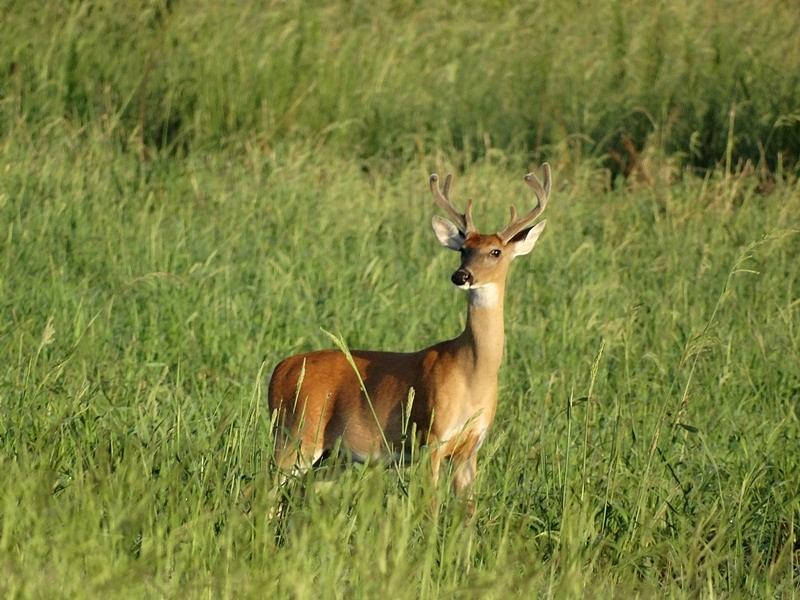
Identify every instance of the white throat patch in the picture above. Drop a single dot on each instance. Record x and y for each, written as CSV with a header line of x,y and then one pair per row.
x,y
484,296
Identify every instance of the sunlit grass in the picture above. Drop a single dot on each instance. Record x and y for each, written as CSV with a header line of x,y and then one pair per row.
x,y
190,192
646,437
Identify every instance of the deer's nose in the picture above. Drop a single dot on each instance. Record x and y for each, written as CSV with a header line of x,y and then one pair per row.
x,y
461,277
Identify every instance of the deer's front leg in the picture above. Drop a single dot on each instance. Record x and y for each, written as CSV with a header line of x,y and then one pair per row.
x,y
464,478
437,455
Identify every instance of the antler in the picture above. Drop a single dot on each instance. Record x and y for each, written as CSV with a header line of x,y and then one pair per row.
x,y
462,221
542,192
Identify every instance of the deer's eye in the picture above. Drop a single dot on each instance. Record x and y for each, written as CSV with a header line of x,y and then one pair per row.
x,y
495,252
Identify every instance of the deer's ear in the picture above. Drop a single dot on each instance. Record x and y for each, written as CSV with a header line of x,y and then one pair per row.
x,y
448,234
526,239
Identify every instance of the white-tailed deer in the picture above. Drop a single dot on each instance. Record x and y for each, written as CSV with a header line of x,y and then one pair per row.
x,y
320,400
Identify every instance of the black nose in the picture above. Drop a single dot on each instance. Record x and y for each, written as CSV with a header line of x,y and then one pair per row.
x,y
461,277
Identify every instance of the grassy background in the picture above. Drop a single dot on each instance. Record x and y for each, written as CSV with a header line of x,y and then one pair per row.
x,y
400,79
189,193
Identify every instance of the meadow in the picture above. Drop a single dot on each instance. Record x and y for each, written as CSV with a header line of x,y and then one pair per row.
x,y
191,191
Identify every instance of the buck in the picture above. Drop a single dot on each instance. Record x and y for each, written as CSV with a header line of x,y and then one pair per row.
x,y
319,400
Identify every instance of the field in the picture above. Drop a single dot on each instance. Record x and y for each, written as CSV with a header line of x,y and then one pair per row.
x,y
191,191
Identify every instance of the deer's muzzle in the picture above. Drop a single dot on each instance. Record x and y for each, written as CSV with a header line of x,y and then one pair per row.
x,y
461,277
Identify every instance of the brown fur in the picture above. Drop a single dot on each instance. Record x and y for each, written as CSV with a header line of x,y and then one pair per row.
x,y
318,399
330,405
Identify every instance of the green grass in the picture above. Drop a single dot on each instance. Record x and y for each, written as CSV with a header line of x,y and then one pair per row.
x,y
144,304
398,78
188,194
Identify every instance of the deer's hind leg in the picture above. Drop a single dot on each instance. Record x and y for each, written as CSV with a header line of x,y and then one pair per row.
x,y
297,448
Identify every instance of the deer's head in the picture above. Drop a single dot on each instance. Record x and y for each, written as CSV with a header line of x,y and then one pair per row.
x,y
485,258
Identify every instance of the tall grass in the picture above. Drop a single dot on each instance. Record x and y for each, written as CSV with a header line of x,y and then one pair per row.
x,y
400,78
647,433
191,191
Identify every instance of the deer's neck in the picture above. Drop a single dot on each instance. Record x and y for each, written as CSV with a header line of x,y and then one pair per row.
x,y
483,335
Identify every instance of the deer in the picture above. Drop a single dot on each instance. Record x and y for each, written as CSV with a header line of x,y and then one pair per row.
x,y
323,398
